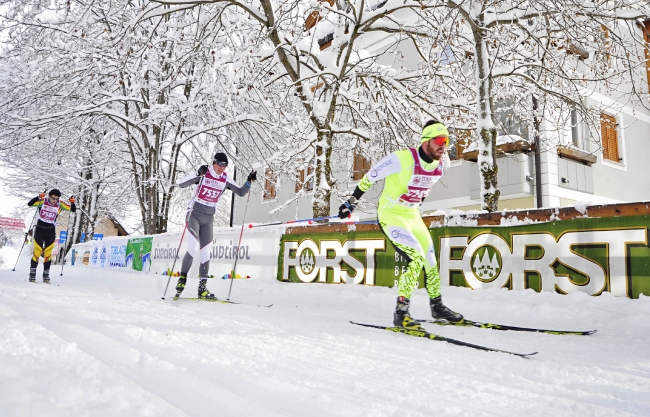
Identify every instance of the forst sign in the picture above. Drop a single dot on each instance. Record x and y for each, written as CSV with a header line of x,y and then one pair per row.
x,y
589,261
589,255
347,260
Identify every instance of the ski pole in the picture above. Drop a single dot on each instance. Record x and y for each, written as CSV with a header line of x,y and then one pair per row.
x,y
67,231
189,213
309,221
25,240
232,274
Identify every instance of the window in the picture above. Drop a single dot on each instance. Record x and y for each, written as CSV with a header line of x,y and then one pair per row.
x,y
460,144
301,176
270,185
609,137
360,166
575,129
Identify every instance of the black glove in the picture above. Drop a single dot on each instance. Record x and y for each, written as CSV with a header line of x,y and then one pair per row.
x,y
347,208
252,177
202,170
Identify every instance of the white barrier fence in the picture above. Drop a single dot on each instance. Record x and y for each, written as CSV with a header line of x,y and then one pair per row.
x,y
258,253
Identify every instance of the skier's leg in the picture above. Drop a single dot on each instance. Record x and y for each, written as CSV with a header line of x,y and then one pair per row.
x,y
395,227
205,241
37,242
48,244
191,235
431,275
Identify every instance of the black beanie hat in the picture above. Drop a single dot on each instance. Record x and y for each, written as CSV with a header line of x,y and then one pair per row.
x,y
220,156
55,192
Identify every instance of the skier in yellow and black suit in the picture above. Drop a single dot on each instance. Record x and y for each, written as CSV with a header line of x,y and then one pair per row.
x,y
48,210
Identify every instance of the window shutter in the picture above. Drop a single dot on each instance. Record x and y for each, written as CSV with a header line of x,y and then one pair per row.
x,y
269,184
360,165
310,185
609,137
300,180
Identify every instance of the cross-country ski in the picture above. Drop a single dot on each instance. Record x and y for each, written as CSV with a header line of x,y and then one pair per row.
x,y
424,334
493,326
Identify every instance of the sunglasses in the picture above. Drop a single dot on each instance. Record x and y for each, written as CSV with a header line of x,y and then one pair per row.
x,y
441,140
54,198
220,163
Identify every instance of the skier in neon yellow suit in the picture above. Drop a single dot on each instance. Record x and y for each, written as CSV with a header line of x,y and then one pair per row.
x,y
409,175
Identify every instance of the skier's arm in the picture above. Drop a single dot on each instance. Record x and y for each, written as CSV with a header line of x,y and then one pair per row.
x,y
240,191
188,180
36,201
388,166
68,207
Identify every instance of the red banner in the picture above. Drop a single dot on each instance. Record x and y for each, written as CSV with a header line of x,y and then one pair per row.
x,y
11,223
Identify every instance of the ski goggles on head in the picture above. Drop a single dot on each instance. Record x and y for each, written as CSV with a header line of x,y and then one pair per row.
x,y
220,163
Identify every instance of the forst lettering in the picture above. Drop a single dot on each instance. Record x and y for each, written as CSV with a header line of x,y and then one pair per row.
x,y
502,260
311,262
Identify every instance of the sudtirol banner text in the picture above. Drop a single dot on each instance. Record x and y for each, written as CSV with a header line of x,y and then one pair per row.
x,y
589,255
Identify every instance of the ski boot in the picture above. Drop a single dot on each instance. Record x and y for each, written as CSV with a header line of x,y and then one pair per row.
x,y
46,277
441,313
32,274
402,318
203,291
180,285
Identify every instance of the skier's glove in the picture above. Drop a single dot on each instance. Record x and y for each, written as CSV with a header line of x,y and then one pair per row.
x,y
347,208
41,196
202,170
71,199
252,177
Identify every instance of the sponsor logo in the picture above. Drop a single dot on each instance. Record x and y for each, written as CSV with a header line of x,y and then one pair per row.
x,y
397,235
424,181
116,257
102,257
307,261
311,261
486,263
374,172
229,251
94,255
209,182
561,264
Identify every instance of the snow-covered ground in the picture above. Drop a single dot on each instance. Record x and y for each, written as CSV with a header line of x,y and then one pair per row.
x,y
97,343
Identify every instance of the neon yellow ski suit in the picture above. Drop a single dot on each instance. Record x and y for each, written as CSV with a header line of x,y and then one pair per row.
x,y
408,179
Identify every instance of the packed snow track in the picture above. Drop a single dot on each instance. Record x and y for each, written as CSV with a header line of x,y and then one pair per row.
x,y
98,343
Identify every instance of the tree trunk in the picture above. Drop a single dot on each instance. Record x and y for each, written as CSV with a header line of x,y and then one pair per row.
x,y
487,155
323,174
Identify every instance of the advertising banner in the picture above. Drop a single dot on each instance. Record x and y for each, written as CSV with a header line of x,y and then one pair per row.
x,y
138,253
10,223
257,255
116,252
589,255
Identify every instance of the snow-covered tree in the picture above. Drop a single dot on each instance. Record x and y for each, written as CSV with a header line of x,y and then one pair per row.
x,y
155,84
539,60
327,86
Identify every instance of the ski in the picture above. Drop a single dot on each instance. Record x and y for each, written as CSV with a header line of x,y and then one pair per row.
x,y
423,333
216,300
470,323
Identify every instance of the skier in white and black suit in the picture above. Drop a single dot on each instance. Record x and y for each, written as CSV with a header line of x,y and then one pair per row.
x,y
201,211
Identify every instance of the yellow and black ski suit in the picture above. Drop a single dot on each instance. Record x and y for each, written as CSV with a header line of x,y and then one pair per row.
x,y
45,232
